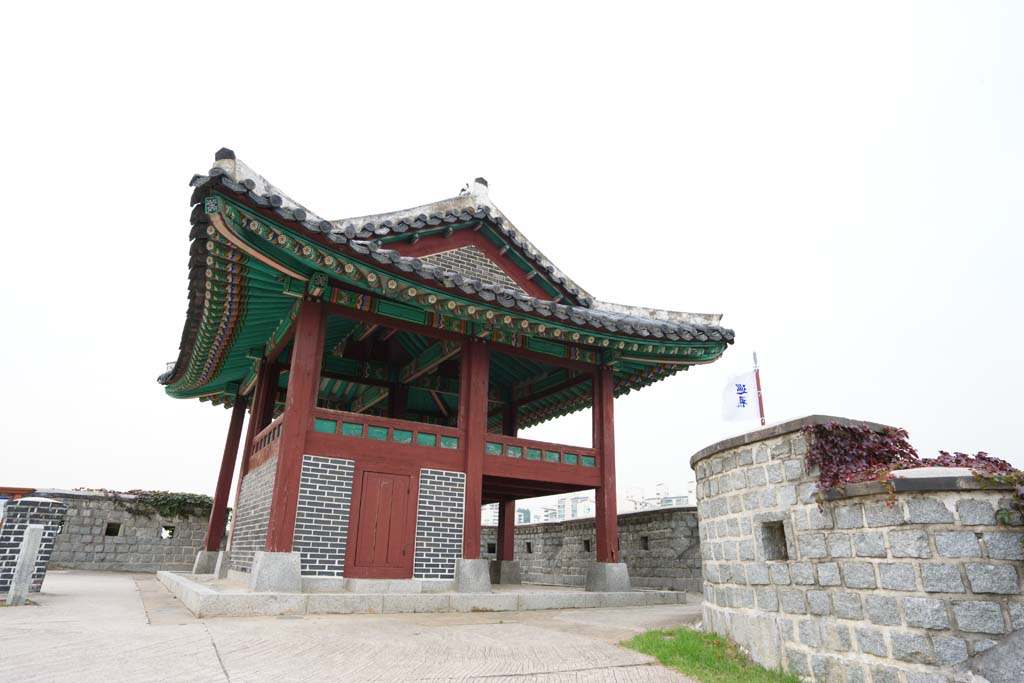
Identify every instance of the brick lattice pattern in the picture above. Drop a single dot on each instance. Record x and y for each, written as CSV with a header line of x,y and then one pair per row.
x,y
439,517
472,262
868,590
253,515
18,515
321,521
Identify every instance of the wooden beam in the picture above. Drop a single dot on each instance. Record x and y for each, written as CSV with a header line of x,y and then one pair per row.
x,y
428,360
218,513
507,530
440,403
473,422
606,518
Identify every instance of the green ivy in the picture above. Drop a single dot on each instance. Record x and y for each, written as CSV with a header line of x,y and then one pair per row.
x,y
164,503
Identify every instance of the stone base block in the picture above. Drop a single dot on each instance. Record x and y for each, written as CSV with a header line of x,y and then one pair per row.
x,y
473,576
608,577
506,571
276,573
220,570
206,562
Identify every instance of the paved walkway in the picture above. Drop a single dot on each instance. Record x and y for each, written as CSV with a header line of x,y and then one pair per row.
x,y
122,628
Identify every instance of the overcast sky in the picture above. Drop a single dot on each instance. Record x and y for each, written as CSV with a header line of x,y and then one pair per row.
x,y
842,181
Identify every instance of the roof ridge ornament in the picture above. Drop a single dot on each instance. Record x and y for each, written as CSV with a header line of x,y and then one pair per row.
x,y
477,188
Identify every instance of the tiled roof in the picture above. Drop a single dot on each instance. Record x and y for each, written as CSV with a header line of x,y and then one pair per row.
x,y
358,235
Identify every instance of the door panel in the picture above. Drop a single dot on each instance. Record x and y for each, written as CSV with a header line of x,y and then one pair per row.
x,y
383,543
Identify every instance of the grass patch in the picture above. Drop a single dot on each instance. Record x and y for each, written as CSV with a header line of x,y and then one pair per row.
x,y
706,657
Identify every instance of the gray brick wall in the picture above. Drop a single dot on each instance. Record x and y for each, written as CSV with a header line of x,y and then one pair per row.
x,y
252,515
474,263
321,520
18,515
138,545
661,548
439,518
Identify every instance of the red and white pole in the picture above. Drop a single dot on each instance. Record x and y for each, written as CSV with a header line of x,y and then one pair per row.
x,y
757,380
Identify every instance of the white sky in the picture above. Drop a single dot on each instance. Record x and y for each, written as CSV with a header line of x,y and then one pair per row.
x,y
842,181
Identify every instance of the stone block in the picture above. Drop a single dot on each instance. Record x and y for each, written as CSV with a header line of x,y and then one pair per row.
x,y
775,473
993,578
472,576
404,603
885,674
836,636
811,546
975,512
911,647
928,511
949,650
869,544
223,564
909,543
859,575
507,572
780,573
276,572
794,469
871,641
810,633
926,677
802,573
608,577
849,516
978,616
1016,615
797,662
819,603
839,545
882,609
925,613
957,544
756,477
786,495
344,603
880,514
847,605
206,562
828,574
897,576
767,599
757,574
855,673
1002,663
1005,546
743,598
792,601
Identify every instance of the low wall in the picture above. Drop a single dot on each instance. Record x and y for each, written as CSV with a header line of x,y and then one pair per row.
x,y
17,517
660,547
856,590
137,546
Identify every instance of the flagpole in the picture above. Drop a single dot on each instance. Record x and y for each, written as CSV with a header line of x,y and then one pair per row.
x,y
757,380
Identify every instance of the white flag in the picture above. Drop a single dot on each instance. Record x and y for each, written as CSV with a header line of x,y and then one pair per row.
x,y
739,400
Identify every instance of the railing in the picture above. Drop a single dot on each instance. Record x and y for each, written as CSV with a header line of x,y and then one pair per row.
x,y
268,435
372,428
539,451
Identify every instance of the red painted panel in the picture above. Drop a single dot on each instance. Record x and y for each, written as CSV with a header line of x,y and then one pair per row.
x,y
383,542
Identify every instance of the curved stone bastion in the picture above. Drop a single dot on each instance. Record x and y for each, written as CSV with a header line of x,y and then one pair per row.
x,y
855,590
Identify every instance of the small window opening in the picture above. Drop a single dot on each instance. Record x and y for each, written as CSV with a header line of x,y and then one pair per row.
x,y
773,541
60,528
167,532
586,545
492,548
113,529
529,547
645,542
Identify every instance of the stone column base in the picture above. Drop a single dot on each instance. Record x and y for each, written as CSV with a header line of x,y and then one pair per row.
x,y
608,577
220,570
473,576
276,572
206,562
506,571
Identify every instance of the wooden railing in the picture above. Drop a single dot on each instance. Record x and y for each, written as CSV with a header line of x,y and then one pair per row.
x,y
372,428
539,451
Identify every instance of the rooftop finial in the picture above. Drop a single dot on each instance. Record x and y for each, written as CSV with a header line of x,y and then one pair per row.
x,y
477,188
224,153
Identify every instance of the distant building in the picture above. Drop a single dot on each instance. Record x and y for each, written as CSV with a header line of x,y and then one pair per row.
x,y
522,515
489,515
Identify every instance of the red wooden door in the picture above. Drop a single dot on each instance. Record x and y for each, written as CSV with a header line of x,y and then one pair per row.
x,y
383,542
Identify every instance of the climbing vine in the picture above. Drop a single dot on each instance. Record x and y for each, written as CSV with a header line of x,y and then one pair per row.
x,y
163,503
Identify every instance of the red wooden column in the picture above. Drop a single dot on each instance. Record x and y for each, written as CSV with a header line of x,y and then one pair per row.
x,y
475,360
507,508
261,412
604,442
303,383
215,529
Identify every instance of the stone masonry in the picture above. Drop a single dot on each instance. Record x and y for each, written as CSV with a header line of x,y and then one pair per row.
x,y
862,588
660,547
253,515
17,516
100,534
439,517
321,521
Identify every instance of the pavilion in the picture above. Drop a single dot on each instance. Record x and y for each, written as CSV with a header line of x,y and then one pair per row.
x,y
388,363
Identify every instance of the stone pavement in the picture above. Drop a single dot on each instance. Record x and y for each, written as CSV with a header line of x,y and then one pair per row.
x,y
124,628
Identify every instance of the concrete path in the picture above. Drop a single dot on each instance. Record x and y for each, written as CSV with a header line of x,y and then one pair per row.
x,y
110,627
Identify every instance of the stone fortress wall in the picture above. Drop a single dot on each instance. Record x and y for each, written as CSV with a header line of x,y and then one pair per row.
x,y
660,547
88,539
857,591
